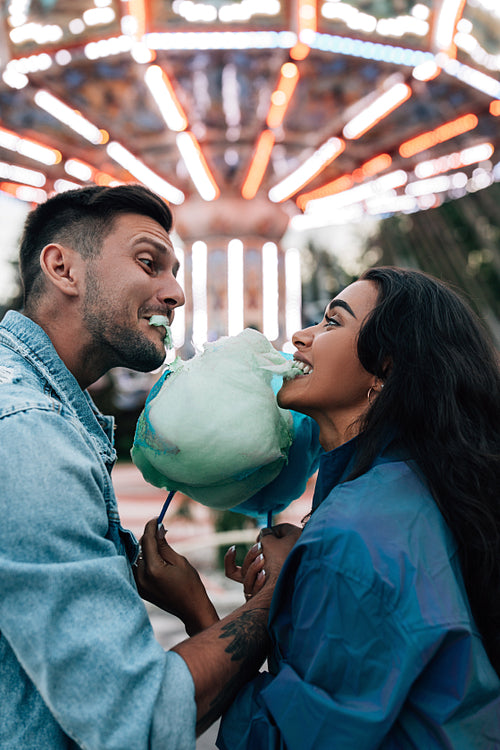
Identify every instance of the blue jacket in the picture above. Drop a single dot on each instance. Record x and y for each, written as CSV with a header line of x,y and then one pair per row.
x,y
80,666
374,642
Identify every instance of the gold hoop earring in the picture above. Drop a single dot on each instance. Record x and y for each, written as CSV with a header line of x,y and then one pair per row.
x,y
369,395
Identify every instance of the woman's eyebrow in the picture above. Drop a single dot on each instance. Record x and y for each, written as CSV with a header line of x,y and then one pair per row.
x,y
341,303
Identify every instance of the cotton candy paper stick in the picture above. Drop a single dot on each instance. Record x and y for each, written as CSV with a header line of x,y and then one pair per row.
x,y
165,507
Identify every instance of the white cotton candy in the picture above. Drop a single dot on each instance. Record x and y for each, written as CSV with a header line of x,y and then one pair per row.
x,y
162,320
213,429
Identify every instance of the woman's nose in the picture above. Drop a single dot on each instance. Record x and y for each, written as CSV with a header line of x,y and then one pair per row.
x,y
303,338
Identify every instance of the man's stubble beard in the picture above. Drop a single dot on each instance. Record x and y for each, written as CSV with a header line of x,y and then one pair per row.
x,y
118,345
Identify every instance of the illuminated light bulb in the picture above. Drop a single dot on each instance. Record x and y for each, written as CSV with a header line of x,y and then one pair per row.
x,y
29,148
331,188
258,164
235,289
420,11
62,186
435,185
36,32
63,57
495,108
280,98
143,173
450,12
98,16
24,192
472,77
299,51
199,291
479,153
427,71
78,169
69,117
307,27
164,95
329,151
377,110
293,299
76,26
197,166
141,53
20,174
443,133
348,215
195,40
391,203
15,80
178,327
136,11
360,193
372,167
270,323
106,180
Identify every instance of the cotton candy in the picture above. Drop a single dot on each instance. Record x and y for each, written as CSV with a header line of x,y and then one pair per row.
x,y
211,426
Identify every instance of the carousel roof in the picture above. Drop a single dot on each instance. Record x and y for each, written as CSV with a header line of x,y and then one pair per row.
x,y
333,109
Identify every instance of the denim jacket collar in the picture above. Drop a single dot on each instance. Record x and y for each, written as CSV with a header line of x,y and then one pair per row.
x,y
27,338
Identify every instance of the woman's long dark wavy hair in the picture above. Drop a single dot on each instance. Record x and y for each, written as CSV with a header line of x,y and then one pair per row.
x,y
441,395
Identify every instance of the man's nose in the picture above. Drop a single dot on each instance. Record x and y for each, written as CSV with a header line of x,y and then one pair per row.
x,y
171,293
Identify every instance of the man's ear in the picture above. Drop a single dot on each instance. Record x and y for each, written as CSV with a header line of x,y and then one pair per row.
x,y
62,267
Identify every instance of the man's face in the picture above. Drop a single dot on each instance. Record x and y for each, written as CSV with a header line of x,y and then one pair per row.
x,y
131,279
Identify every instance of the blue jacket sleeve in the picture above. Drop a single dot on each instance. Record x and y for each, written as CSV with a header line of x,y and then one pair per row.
x,y
69,609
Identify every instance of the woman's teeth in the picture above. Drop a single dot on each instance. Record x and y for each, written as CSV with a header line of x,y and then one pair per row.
x,y
306,369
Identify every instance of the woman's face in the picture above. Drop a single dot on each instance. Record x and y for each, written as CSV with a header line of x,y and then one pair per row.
x,y
334,391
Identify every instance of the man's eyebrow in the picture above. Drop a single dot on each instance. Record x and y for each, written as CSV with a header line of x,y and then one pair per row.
x,y
158,246
341,303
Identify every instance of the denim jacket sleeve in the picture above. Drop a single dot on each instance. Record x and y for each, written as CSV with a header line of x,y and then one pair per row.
x,y
69,609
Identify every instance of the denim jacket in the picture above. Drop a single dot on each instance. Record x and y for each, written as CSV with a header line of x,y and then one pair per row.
x,y
80,666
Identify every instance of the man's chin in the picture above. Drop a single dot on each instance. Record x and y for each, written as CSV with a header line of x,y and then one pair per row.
x,y
145,357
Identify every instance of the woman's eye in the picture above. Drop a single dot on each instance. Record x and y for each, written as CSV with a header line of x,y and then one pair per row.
x,y
331,321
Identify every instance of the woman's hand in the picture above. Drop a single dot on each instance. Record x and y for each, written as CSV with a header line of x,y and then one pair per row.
x,y
264,560
169,581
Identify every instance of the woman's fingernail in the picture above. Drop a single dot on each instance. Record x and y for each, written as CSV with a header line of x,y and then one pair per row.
x,y
260,558
232,548
261,574
257,547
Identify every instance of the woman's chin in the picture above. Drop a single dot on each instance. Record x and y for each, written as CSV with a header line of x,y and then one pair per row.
x,y
285,397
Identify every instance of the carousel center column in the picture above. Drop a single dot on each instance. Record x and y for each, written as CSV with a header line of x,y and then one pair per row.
x,y
233,270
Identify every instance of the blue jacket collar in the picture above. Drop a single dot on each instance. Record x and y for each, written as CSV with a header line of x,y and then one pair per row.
x,y
30,340
334,466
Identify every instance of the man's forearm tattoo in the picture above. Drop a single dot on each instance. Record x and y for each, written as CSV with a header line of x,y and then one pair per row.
x,y
249,644
248,632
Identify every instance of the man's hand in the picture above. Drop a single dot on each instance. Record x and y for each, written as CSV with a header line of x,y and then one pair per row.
x,y
169,581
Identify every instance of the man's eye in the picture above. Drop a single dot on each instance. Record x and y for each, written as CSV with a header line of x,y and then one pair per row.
x,y
147,262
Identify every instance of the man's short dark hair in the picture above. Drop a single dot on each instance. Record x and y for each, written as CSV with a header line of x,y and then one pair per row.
x,y
82,218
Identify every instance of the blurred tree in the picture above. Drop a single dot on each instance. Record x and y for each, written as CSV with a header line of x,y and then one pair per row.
x,y
458,242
